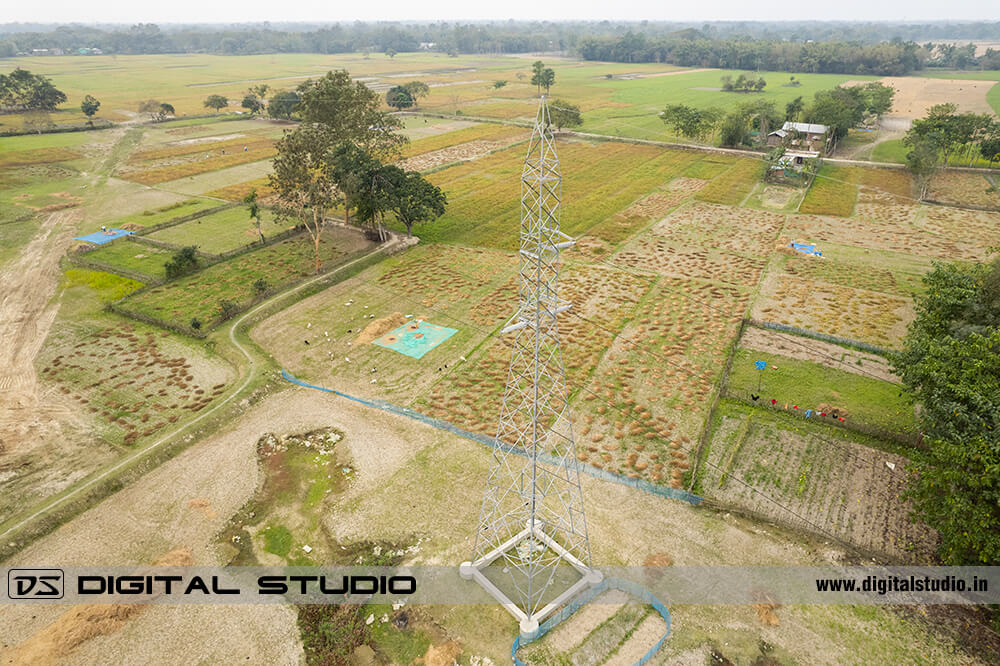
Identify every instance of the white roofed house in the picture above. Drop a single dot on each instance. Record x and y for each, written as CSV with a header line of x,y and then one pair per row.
x,y
807,137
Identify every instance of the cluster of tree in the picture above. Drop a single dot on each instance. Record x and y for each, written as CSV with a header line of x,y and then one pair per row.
x,y
23,91
542,76
953,56
406,95
839,108
183,262
691,49
944,134
338,156
743,83
156,109
951,366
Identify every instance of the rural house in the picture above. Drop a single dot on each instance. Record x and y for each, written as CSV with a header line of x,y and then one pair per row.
x,y
804,136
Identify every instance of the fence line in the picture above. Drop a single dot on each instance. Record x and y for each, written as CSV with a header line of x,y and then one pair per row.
x,y
639,484
806,333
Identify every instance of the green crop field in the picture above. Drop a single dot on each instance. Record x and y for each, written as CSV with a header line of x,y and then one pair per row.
x,y
199,295
219,232
131,256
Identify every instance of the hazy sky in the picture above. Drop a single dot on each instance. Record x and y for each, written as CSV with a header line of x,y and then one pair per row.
x,y
452,10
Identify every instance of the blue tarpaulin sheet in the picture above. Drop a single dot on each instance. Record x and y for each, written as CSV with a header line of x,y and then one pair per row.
x,y
415,339
102,237
806,248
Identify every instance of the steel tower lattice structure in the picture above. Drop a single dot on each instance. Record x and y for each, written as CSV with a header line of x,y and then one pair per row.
x,y
532,527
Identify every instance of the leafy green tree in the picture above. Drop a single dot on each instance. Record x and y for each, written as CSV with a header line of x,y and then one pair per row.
x,y
166,109
183,262
923,160
253,207
342,109
840,109
734,129
89,106
417,90
878,98
951,365
412,198
283,104
499,83
155,109
564,114
391,52
794,109
542,76
216,102
399,98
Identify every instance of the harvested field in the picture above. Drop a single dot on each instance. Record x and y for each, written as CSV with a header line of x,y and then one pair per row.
x,y
914,95
647,399
817,351
735,184
461,153
833,483
32,157
742,231
661,256
898,237
501,135
238,191
858,276
133,381
974,231
858,314
963,188
163,169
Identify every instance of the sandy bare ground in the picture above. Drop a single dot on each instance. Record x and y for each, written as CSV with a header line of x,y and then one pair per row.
x,y
914,95
640,641
155,515
817,351
34,424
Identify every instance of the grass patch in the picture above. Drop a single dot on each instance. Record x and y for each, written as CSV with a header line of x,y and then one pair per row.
x,y
869,401
277,540
219,232
132,256
735,184
833,192
109,287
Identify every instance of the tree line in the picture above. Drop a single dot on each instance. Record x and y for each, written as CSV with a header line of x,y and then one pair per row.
x,y
480,37
944,135
694,50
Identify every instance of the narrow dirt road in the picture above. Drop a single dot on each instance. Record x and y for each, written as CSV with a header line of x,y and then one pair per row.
x,y
27,310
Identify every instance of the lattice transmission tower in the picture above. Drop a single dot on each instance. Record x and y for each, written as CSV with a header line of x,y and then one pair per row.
x,y
532,552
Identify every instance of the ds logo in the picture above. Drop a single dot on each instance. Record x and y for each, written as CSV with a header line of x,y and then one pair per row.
x,y
35,583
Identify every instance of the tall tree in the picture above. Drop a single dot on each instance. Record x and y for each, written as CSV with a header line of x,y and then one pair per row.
x,y
412,198
950,364
283,104
399,98
417,90
794,109
254,209
302,184
89,106
564,114
216,102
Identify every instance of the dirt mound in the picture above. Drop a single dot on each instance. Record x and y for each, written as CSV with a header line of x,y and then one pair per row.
x,y
765,609
81,623
203,505
445,654
831,410
380,327
658,560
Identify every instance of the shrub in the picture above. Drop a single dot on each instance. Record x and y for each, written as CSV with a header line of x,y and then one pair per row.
x,y
260,286
183,262
196,323
228,308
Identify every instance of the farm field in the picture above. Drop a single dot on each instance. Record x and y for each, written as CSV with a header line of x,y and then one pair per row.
x,y
219,232
833,483
198,296
676,248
